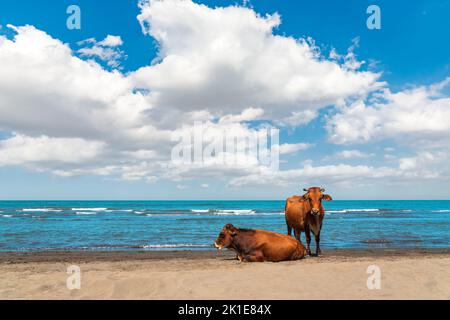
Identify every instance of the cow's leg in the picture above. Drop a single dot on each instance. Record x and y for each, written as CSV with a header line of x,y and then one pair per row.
x,y
317,238
254,257
308,240
289,230
298,234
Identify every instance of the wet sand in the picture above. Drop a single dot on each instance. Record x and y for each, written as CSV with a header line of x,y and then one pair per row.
x,y
338,274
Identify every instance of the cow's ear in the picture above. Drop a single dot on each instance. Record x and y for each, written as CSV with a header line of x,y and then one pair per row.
x,y
327,197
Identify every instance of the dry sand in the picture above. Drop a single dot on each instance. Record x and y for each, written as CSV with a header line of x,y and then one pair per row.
x,y
405,274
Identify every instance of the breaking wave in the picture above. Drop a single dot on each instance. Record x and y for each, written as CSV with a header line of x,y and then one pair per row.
x,y
225,211
40,210
179,245
89,209
352,210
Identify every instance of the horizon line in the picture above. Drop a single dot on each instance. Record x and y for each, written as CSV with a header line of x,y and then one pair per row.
x,y
112,200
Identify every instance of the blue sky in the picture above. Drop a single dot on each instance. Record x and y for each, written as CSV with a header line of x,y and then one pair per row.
x,y
411,52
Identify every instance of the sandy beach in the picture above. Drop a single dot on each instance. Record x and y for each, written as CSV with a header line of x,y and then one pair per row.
x,y
339,274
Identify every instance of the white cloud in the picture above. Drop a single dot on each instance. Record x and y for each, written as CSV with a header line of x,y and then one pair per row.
x,y
105,50
418,119
311,175
351,154
46,90
246,115
416,113
287,148
409,169
27,150
48,96
111,41
227,59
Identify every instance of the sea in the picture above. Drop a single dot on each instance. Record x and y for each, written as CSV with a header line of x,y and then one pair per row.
x,y
27,226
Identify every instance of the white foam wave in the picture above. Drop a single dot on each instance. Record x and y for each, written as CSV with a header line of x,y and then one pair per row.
x,y
179,245
6,216
85,213
363,210
444,210
352,210
224,211
40,210
89,209
235,212
163,215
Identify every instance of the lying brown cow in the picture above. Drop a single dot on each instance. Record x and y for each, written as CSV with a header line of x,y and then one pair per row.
x,y
306,213
259,245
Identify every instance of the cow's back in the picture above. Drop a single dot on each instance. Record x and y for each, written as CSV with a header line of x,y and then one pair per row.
x,y
278,247
295,212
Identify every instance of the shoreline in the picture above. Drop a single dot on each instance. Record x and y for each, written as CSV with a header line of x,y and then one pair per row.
x,y
116,256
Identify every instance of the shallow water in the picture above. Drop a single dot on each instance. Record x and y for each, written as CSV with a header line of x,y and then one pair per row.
x,y
194,225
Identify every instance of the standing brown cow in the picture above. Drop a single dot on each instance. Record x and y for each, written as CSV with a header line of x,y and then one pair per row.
x,y
306,213
259,245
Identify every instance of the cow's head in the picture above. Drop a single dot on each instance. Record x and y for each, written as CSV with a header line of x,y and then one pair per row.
x,y
226,236
315,195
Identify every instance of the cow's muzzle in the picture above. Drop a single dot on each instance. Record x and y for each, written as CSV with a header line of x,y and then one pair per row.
x,y
315,212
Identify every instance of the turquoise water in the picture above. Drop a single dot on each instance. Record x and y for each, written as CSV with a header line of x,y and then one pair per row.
x,y
194,225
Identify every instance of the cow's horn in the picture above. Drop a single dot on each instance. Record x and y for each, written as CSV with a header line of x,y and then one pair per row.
x,y
322,189
304,189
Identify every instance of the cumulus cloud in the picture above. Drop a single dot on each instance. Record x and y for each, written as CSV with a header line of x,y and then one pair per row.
x,y
228,59
415,113
28,150
48,96
415,118
46,90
